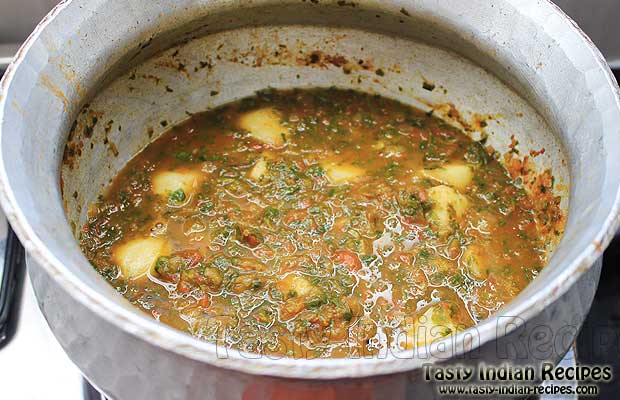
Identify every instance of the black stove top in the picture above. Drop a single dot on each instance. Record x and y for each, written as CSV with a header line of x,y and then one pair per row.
x,y
599,339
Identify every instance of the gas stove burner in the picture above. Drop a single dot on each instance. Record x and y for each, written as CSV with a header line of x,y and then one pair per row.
x,y
11,270
90,393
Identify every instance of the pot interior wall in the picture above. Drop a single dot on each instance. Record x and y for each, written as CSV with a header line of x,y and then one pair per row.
x,y
555,102
218,68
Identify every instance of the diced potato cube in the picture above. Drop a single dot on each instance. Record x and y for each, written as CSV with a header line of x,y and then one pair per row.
x,y
447,204
258,170
292,307
340,173
166,182
442,264
264,125
137,257
435,323
246,282
378,145
213,277
476,261
295,286
296,291
456,175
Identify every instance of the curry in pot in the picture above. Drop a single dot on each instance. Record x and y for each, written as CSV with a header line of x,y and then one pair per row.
x,y
318,223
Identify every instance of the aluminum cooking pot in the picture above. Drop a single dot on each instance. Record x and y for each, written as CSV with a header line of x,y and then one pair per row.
x,y
522,64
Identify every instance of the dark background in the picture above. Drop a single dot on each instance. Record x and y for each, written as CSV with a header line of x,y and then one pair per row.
x,y
599,339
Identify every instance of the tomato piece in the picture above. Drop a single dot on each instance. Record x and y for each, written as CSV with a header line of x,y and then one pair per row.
x,y
294,215
349,259
251,239
423,195
205,302
193,257
407,220
184,287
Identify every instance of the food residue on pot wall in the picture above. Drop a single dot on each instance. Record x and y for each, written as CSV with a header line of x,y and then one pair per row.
x,y
172,72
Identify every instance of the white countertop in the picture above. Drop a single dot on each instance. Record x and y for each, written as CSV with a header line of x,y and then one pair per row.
x,y
33,366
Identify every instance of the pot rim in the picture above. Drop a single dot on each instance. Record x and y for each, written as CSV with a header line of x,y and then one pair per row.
x,y
185,345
